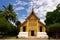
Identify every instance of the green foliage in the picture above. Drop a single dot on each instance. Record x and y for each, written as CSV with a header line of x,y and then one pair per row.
x,y
9,13
49,18
53,17
18,23
53,22
54,27
6,26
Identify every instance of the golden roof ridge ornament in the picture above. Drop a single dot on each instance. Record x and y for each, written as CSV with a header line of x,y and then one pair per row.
x,y
32,10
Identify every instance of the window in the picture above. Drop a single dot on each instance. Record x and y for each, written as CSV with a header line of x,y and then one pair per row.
x,y
24,29
40,28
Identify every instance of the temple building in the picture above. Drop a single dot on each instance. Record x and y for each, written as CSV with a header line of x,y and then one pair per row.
x,y
32,27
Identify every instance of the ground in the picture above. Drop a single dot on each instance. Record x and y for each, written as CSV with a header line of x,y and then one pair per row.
x,y
14,38
24,39
30,39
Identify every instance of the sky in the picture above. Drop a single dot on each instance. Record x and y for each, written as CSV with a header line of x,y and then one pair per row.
x,y
23,8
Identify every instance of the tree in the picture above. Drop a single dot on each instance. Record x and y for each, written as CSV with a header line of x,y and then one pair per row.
x,y
6,26
54,28
18,23
53,20
9,13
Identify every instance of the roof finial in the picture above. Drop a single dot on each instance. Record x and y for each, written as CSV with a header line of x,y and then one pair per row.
x,y
32,9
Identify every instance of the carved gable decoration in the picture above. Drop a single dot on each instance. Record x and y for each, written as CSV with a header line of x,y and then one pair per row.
x,y
32,18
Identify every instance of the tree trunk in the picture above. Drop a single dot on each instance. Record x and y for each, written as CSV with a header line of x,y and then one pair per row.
x,y
56,35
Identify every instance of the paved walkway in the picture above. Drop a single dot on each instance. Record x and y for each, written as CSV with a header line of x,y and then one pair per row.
x,y
29,39
24,39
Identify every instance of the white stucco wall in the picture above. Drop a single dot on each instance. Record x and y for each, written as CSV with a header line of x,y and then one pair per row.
x,y
23,34
42,35
39,35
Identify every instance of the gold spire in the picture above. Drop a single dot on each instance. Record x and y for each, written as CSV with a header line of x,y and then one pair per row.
x,y
32,10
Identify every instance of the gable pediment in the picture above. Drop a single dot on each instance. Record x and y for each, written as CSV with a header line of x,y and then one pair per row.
x,y
32,18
